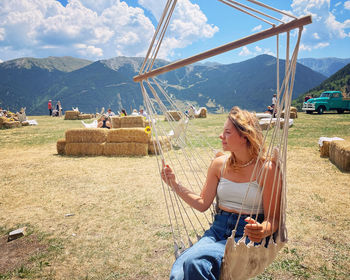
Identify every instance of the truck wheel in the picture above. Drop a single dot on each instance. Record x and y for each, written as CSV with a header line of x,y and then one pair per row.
x,y
308,112
340,111
320,110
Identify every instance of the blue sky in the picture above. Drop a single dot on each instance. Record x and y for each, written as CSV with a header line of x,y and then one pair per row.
x,y
103,29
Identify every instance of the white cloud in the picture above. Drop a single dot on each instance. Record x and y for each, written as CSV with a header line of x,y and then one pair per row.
x,y
156,7
316,36
188,24
89,29
325,28
258,49
347,5
94,29
257,28
245,52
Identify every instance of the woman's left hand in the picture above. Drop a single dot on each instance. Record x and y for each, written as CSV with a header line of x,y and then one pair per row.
x,y
254,230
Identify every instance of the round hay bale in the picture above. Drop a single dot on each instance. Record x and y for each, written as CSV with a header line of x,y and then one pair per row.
x,y
173,115
86,135
84,149
164,143
120,135
125,149
71,115
339,154
61,145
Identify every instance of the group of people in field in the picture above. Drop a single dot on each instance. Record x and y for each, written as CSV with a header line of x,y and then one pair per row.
x,y
55,111
105,121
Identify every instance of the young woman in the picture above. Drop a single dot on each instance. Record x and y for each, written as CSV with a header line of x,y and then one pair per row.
x,y
104,122
228,177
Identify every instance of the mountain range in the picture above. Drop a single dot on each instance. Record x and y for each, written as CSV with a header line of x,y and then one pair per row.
x,y
31,82
326,66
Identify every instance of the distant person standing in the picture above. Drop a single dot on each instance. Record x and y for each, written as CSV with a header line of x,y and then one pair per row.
x,y
59,108
49,106
274,100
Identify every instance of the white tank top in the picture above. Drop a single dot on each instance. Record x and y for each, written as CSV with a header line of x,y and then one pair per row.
x,y
243,197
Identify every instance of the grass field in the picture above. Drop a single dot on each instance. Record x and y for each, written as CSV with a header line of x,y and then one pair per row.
x,y
119,228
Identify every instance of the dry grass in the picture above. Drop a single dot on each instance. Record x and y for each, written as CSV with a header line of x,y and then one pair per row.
x,y
120,229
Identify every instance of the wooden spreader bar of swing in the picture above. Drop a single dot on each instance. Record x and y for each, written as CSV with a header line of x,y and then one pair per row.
x,y
227,47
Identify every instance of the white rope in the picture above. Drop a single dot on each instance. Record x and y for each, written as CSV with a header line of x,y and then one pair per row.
x,y
235,5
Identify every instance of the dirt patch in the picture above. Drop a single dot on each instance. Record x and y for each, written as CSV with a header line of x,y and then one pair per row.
x,y
18,252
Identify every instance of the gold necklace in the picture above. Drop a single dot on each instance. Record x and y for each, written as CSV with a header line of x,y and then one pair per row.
x,y
246,164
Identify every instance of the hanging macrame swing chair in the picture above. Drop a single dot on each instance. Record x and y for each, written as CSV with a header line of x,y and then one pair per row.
x,y
190,151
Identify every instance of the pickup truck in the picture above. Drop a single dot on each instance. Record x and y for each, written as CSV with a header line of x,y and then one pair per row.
x,y
329,100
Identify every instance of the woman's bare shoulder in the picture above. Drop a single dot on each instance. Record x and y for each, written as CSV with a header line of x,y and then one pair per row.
x,y
218,162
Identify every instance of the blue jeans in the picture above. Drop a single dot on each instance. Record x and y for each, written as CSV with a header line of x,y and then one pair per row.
x,y
203,260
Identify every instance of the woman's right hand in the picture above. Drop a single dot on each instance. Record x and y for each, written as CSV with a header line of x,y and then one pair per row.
x,y
168,175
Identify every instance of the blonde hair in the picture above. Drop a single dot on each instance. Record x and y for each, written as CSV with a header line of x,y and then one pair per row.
x,y
248,127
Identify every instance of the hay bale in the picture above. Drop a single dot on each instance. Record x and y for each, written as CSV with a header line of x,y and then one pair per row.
x,y
339,154
84,116
11,124
120,135
202,113
86,135
115,122
125,149
61,145
2,120
324,149
84,149
292,114
164,143
295,111
132,121
71,115
147,123
173,115
265,125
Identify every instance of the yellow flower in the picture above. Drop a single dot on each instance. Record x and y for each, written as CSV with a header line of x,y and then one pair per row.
x,y
147,129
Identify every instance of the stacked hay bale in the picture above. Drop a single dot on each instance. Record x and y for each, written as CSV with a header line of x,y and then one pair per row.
x,y
339,154
164,142
61,146
173,115
75,115
324,149
293,114
128,121
71,115
9,123
202,113
85,116
85,142
127,142
324,144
